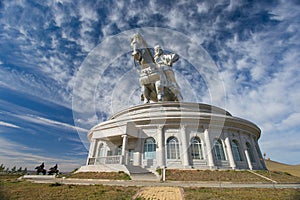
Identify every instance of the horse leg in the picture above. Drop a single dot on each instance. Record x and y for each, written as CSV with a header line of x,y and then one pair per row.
x,y
146,94
159,90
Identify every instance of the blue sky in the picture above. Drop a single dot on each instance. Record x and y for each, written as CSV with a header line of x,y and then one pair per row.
x,y
47,47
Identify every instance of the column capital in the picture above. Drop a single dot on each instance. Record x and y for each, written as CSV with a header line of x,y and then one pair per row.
x,y
160,127
183,126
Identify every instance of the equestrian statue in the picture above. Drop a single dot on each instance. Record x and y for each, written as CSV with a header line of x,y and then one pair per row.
x,y
157,78
53,170
40,169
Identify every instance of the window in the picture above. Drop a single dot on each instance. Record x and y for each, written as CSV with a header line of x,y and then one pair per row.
x,y
150,148
236,150
218,150
173,148
196,148
250,152
101,150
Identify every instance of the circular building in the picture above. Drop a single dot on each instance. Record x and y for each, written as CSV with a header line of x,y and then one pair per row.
x,y
175,135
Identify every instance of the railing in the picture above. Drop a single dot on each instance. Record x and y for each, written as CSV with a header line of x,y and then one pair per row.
x,y
91,161
108,160
223,163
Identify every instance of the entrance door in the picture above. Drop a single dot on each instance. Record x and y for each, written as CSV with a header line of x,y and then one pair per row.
x,y
131,152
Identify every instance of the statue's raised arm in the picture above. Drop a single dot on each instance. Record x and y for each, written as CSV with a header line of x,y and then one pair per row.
x,y
157,78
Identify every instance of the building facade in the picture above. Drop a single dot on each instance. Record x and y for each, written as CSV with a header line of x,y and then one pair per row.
x,y
175,135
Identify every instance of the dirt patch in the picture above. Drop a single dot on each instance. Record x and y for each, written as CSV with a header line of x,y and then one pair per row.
x,y
161,193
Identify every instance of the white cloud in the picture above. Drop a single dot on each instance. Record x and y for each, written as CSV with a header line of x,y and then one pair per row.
x,y
203,7
258,64
6,124
15,154
49,122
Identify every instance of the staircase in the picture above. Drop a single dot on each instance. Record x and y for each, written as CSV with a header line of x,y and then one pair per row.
x,y
138,173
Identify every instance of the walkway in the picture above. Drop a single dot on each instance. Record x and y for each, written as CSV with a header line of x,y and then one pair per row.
x,y
165,184
161,193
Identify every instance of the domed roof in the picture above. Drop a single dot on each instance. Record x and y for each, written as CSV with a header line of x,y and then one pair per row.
x,y
172,107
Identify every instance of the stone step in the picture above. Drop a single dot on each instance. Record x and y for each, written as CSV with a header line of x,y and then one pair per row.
x,y
136,169
144,177
139,173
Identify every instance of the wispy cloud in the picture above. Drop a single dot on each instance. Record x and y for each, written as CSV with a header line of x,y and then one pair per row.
x,y
255,47
16,154
6,124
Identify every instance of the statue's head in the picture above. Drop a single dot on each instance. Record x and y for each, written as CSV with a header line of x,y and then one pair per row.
x,y
157,50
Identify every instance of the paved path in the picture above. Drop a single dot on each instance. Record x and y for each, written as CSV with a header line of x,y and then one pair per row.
x,y
165,184
161,193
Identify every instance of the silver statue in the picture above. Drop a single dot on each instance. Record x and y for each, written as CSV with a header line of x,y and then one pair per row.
x,y
157,78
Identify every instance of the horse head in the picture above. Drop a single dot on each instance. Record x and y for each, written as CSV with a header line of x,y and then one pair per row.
x,y
141,52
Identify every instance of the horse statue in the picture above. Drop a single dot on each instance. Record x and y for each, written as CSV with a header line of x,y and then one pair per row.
x,y
40,169
53,170
157,78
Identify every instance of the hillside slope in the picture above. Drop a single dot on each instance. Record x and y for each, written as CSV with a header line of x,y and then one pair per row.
x,y
277,166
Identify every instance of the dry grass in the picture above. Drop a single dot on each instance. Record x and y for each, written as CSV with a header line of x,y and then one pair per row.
x,y
281,177
241,193
101,175
276,166
215,175
229,176
12,189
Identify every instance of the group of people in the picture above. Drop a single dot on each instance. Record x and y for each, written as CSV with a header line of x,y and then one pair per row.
x,y
52,170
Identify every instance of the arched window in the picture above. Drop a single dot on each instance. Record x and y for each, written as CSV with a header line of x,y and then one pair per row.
x,y
173,148
218,150
236,151
250,152
101,150
196,148
150,148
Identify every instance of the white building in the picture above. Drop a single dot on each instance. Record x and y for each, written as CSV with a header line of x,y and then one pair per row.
x,y
174,135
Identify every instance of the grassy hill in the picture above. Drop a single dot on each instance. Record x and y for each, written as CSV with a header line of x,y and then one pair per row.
x,y
277,166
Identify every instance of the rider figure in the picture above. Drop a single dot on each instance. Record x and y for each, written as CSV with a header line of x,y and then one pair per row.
x,y
165,62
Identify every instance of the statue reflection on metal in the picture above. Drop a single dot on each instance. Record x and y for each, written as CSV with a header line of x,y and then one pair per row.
x,y
157,78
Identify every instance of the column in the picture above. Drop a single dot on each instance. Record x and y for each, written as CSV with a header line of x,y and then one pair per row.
x,y
244,147
91,150
260,159
161,154
124,144
229,151
137,155
209,151
254,150
248,159
185,147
